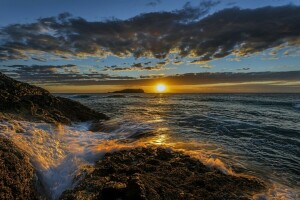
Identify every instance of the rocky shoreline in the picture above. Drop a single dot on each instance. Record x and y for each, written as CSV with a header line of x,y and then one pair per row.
x,y
140,173
26,102
18,179
157,173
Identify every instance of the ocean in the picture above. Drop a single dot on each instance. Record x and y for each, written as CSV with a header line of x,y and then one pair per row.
x,y
241,134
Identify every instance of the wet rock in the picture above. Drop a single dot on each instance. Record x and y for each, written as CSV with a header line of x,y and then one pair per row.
x,y
147,173
17,176
27,102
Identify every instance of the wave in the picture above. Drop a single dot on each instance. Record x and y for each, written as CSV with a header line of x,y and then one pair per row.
x,y
116,96
297,105
80,96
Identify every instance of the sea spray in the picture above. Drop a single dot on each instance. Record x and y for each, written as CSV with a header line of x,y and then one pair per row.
x,y
57,152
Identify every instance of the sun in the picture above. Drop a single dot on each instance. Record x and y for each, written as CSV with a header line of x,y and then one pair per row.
x,y
161,88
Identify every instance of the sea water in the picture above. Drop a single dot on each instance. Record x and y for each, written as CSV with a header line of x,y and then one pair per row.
x,y
240,134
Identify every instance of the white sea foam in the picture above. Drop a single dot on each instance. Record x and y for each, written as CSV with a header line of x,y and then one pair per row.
x,y
279,192
56,152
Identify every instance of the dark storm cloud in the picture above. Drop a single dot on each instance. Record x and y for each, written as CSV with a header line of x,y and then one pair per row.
x,y
185,31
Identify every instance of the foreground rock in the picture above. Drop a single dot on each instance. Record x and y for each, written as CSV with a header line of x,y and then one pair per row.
x,y
26,102
145,173
17,176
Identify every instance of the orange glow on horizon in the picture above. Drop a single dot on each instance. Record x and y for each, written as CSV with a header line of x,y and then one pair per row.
x,y
249,87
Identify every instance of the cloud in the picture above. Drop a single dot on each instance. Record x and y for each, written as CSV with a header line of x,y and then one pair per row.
x,y
243,69
152,76
61,74
187,32
177,62
138,67
202,63
49,75
153,3
199,62
206,66
41,69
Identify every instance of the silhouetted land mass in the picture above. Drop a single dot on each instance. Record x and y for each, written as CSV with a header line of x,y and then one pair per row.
x,y
27,102
130,91
146,173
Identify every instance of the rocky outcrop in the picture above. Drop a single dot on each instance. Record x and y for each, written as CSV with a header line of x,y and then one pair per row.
x,y
17,176
27,102
146,173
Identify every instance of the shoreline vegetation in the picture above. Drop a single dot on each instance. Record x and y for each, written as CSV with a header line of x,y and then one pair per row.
x,y
138,173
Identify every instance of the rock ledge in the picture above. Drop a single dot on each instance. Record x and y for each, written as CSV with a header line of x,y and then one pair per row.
x,y
147,173
27,102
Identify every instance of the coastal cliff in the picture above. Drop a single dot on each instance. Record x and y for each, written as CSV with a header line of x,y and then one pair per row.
x,y
30,103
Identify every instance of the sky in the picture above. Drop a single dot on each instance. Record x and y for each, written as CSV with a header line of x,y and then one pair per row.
x,y
205,46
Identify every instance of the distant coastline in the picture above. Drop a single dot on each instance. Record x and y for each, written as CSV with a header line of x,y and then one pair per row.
x,y
129,91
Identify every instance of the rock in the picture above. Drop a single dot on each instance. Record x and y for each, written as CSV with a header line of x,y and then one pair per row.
x,y
17,176
27,102
147,173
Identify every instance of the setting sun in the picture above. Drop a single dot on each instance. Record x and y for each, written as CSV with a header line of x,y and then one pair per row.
x,y
161,88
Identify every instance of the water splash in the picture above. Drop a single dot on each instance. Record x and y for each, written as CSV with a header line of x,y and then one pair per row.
x,y
57,152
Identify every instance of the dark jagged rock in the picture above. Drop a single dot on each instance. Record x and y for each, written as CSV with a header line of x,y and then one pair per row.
x,y
17,176
146,173
130,91
27,102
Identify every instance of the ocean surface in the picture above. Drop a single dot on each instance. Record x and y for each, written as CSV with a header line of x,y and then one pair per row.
x,y
241,134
